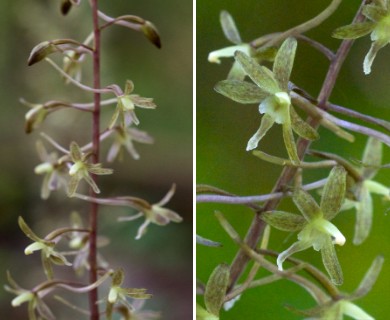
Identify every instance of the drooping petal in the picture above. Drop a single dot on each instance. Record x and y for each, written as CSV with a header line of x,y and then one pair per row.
x,y
295,247
306,204
354,31
331,263
240,91
142,229
284,221
114,117
333,193
372,158
374,12
91,182
259,74
229,27
364,210
370,56
284,61
266,123
301,127
289,142
73,184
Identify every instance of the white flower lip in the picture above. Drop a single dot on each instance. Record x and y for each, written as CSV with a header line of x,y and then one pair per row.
x,y
214,56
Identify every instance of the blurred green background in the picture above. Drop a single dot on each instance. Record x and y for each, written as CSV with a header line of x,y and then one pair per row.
x,y
224,127
162,260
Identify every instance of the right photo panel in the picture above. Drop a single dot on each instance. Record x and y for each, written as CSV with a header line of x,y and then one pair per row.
x,y
292,161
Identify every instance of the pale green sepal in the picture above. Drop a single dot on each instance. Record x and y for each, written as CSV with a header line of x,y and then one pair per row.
x,y
240,91
354,31
370,56
302,128
113,294
352,310
289,142
214,56
364,212
229,27
378,188
266,123
334,192
284,221
295,247
331,263
216,287
374,12
202,314
260,75
236,72
369,278
306,204
372,157
284,61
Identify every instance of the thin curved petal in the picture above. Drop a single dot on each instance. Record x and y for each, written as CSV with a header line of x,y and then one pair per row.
x,y
364,210
369,58
92,183
372,157
167,197
296,247
284,61
354,31
369,278
259,74
334,191
301,127
266,123
355,312
289,142
229,27
284,221
240,91
331,263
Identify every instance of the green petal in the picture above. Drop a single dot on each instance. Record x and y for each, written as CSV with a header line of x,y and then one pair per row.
x,y
129,87
260,75
202,314
302,128
364,210
378,188
229,28
354,31
114,117
296,247
22,298
91,182
355,312
236,72
374,12
334,191
372,157
370,56
266,123
331,263
216,287
284,221
240,91
284,61
27,231
289,142
369,278
73,184
306,204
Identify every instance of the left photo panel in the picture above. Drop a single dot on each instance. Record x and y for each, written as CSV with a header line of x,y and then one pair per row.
x,y
97,159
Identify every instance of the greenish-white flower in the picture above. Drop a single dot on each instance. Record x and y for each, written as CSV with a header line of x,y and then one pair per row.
x,y
314,224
